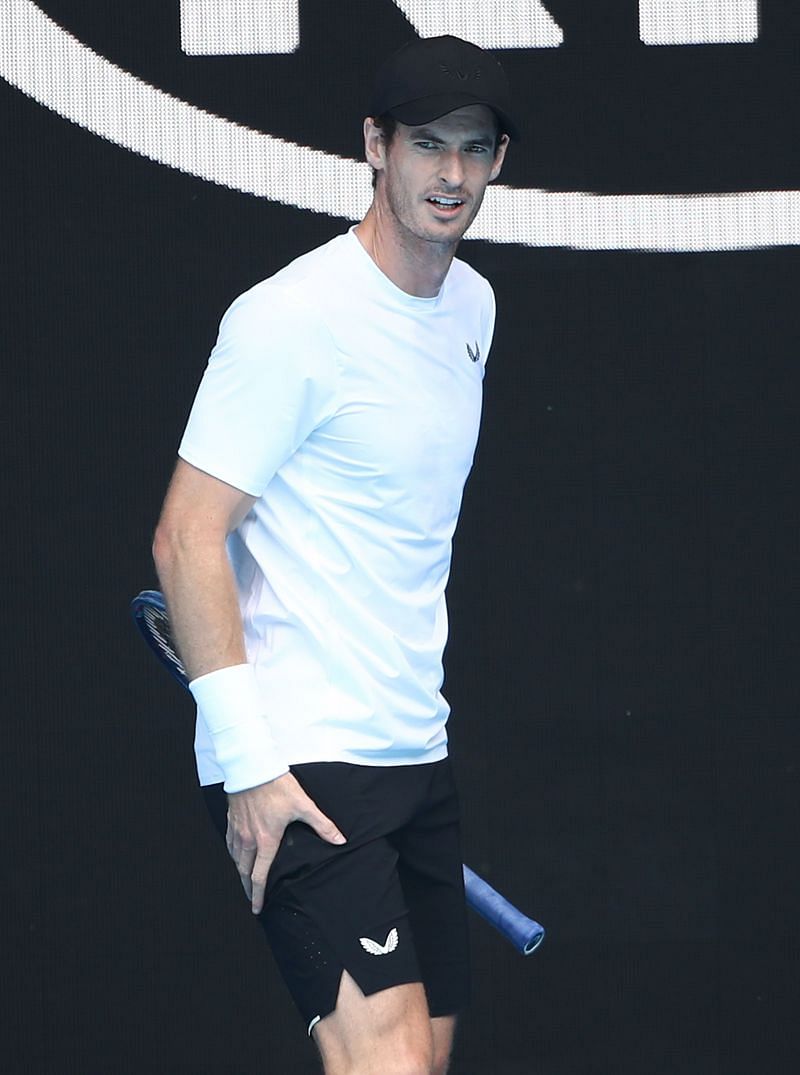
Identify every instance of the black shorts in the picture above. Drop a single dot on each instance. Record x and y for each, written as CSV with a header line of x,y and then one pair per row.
x,y
388,906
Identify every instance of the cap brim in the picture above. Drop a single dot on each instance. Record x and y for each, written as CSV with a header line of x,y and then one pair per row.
x,y
415,113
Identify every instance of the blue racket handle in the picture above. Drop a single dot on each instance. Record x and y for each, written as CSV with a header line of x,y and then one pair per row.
x,y
524,933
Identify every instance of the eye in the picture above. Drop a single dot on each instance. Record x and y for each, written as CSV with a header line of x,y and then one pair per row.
x,y
423,144
477,148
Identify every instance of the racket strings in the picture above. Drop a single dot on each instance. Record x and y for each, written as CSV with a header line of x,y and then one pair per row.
x,y
158,626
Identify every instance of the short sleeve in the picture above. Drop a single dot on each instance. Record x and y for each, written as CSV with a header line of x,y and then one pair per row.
x,y
270,381
487,319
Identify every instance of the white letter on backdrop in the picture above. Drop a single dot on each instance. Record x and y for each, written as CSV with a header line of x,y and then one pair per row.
x,y
239,27
698,22
492,24
252,27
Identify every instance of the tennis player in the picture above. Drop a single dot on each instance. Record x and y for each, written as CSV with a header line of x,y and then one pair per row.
x,y
304,548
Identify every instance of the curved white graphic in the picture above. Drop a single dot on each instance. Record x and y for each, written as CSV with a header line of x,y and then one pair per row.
x,y
50,65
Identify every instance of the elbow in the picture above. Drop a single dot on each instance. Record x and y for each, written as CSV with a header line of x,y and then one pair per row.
x,y
169,543
163,549
183,543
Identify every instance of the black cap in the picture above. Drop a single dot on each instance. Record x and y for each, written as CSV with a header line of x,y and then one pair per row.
x,y
431,76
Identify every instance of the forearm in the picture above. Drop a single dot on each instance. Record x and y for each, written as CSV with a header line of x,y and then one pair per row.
x,y
200,592
192,563
202,602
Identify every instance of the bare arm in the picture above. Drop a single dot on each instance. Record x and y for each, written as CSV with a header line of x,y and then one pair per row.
x,y
192,563
189,552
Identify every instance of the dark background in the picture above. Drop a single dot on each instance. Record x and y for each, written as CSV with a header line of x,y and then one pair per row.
x,y
624,597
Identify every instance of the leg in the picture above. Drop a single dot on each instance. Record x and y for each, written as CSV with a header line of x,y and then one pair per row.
x,y
443,1027
391,1032
387,1033
326,904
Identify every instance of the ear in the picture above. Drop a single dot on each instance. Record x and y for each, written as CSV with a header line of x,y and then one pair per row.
x,y
499,156
374,145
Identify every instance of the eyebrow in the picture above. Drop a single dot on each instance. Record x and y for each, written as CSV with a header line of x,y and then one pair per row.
x,y
432,136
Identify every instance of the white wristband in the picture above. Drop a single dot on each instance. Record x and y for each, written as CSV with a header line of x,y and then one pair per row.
x,y
233,709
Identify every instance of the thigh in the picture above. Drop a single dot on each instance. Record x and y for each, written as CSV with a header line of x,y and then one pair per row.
x,y
334,909
405,821
444,1030
387,1032
387,907
431,875
364,1032
346,915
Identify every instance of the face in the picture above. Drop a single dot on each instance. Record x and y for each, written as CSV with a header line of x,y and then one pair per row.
x,y
432,178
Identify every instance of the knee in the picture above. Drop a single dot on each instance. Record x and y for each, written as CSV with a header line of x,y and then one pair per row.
x,y
409,1066
413,1058
408,1059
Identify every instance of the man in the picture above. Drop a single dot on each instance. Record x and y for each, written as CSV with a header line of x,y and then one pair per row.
x,y
304,548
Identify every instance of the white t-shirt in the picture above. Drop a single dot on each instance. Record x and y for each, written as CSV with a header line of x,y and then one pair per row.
x,y
351,410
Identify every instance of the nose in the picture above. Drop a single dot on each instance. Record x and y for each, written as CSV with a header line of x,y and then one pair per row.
x,y
451,171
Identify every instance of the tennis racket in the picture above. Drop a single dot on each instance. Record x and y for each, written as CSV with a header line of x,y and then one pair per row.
x,y
150,615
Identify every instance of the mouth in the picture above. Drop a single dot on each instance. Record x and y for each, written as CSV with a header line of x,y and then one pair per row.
x,y
445,205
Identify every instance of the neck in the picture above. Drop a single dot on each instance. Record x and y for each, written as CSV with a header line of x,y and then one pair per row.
x,y
417,266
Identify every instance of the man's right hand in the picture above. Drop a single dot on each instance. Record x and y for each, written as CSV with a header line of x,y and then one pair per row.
x,y
257,819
